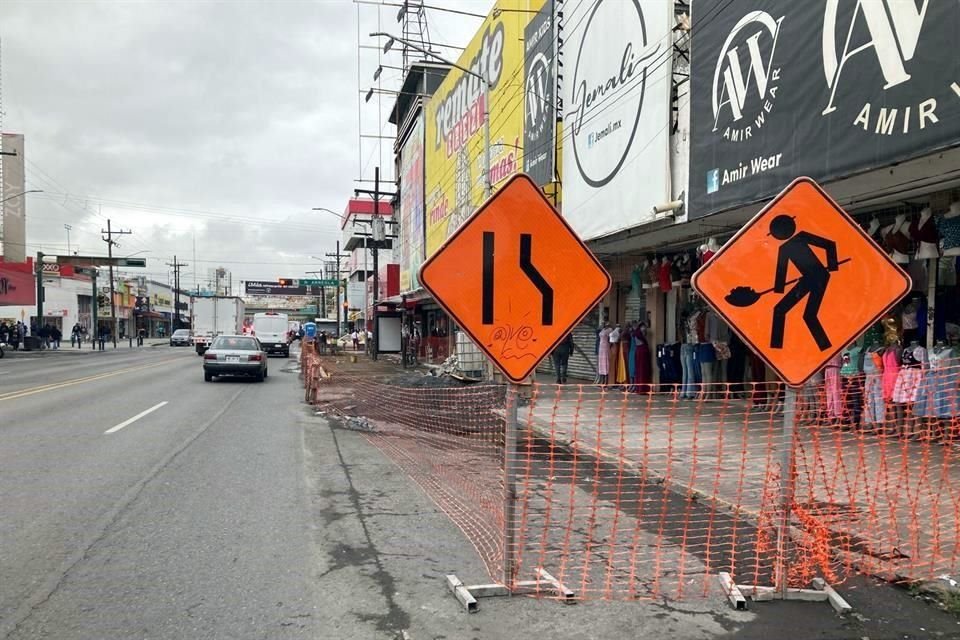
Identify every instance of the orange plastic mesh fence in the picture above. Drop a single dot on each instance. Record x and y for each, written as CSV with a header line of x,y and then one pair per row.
x,y
624,495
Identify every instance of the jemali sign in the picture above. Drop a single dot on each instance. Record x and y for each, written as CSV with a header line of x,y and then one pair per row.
x,y
617,98
825,88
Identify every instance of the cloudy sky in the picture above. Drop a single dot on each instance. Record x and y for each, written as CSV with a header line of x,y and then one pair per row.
x,y
214,125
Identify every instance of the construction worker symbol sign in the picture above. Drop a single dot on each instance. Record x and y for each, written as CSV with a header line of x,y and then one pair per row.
x,y
801,281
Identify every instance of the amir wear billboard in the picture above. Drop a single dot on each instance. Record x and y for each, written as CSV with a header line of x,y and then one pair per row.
x,y
454,141
616,96
825,88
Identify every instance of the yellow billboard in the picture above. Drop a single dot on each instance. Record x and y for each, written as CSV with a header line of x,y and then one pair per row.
x,y
454,150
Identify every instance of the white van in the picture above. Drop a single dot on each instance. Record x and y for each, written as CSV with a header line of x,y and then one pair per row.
x,y
270,328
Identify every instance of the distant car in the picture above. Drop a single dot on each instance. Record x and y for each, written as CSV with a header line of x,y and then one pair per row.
x,y
181,338
235,355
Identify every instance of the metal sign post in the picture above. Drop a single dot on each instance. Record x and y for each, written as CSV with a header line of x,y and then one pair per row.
x,y
737,281
509,478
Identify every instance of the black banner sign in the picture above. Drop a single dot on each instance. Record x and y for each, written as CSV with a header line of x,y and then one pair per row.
x,y
268,288
540,97
823,88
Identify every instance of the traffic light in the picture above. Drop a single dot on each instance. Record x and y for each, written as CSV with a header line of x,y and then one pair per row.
x,y
101,299
285,282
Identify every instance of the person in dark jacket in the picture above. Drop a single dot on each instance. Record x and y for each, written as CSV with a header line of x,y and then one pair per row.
x,y
561,357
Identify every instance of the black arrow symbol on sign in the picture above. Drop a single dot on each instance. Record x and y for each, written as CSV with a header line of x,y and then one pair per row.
x,y
526,265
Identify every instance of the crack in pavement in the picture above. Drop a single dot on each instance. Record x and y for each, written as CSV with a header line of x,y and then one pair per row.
x,y
396,618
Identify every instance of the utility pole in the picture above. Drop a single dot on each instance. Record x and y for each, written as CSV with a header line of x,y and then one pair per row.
x,y
110,244
336,256
39,269
376,255
176,290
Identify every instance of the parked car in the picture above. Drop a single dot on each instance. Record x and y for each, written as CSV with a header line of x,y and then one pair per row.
x,y
235,355
181,338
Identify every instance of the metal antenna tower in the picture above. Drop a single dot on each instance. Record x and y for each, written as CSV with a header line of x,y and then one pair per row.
x,y
412,17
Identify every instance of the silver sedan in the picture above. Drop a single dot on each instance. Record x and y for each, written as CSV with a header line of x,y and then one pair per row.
x,y
235,355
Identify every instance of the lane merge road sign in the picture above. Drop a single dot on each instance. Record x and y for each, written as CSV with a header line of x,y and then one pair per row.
x,y
801,281
515,277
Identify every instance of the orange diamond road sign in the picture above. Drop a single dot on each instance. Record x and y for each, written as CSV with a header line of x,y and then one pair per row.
x,y
801,281
515,277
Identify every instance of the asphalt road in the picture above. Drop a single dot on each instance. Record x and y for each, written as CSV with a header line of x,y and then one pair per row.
x,y
231,511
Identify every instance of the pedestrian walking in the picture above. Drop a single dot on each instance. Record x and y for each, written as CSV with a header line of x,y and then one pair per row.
x,y
104,334
4,333
55,337
140,335
322,342
356,340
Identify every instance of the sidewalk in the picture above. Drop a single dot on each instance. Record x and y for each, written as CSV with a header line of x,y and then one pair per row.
x,y
889,504
87,348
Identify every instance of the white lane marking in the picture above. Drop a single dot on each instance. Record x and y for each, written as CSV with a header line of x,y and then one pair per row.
x,y
134,418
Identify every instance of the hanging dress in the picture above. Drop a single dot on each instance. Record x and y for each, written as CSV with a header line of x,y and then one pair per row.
x,y
891,367
831,384
642,365
631,360
873,388
944,376
624,347
603,352
911,373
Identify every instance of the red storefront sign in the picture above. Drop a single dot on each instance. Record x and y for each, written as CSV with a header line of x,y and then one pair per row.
x,y
17,284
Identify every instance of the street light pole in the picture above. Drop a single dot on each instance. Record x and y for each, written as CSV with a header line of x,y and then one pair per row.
x,y
487,184
17,195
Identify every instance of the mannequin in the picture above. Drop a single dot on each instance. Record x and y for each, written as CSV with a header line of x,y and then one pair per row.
x,y
653,273
874,230
924,231
708,250
908,320
949,227
603,353
897,239
685,265
913,360
676,271
688,362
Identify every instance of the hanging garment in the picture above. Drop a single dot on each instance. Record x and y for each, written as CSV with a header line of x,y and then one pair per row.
x,y
631,359
949,229
910,375
832,389
873,389
852,399
636,281
642,364
891,367
603,352
941,399
689,388
736,366
623,373
663,276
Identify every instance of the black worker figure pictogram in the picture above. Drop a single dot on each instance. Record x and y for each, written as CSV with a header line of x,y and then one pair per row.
x,y
797,249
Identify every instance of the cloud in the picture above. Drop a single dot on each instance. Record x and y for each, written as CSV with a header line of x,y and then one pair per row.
x,y
243,109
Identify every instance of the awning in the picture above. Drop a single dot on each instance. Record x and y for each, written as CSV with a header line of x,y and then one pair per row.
x,y
412,298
